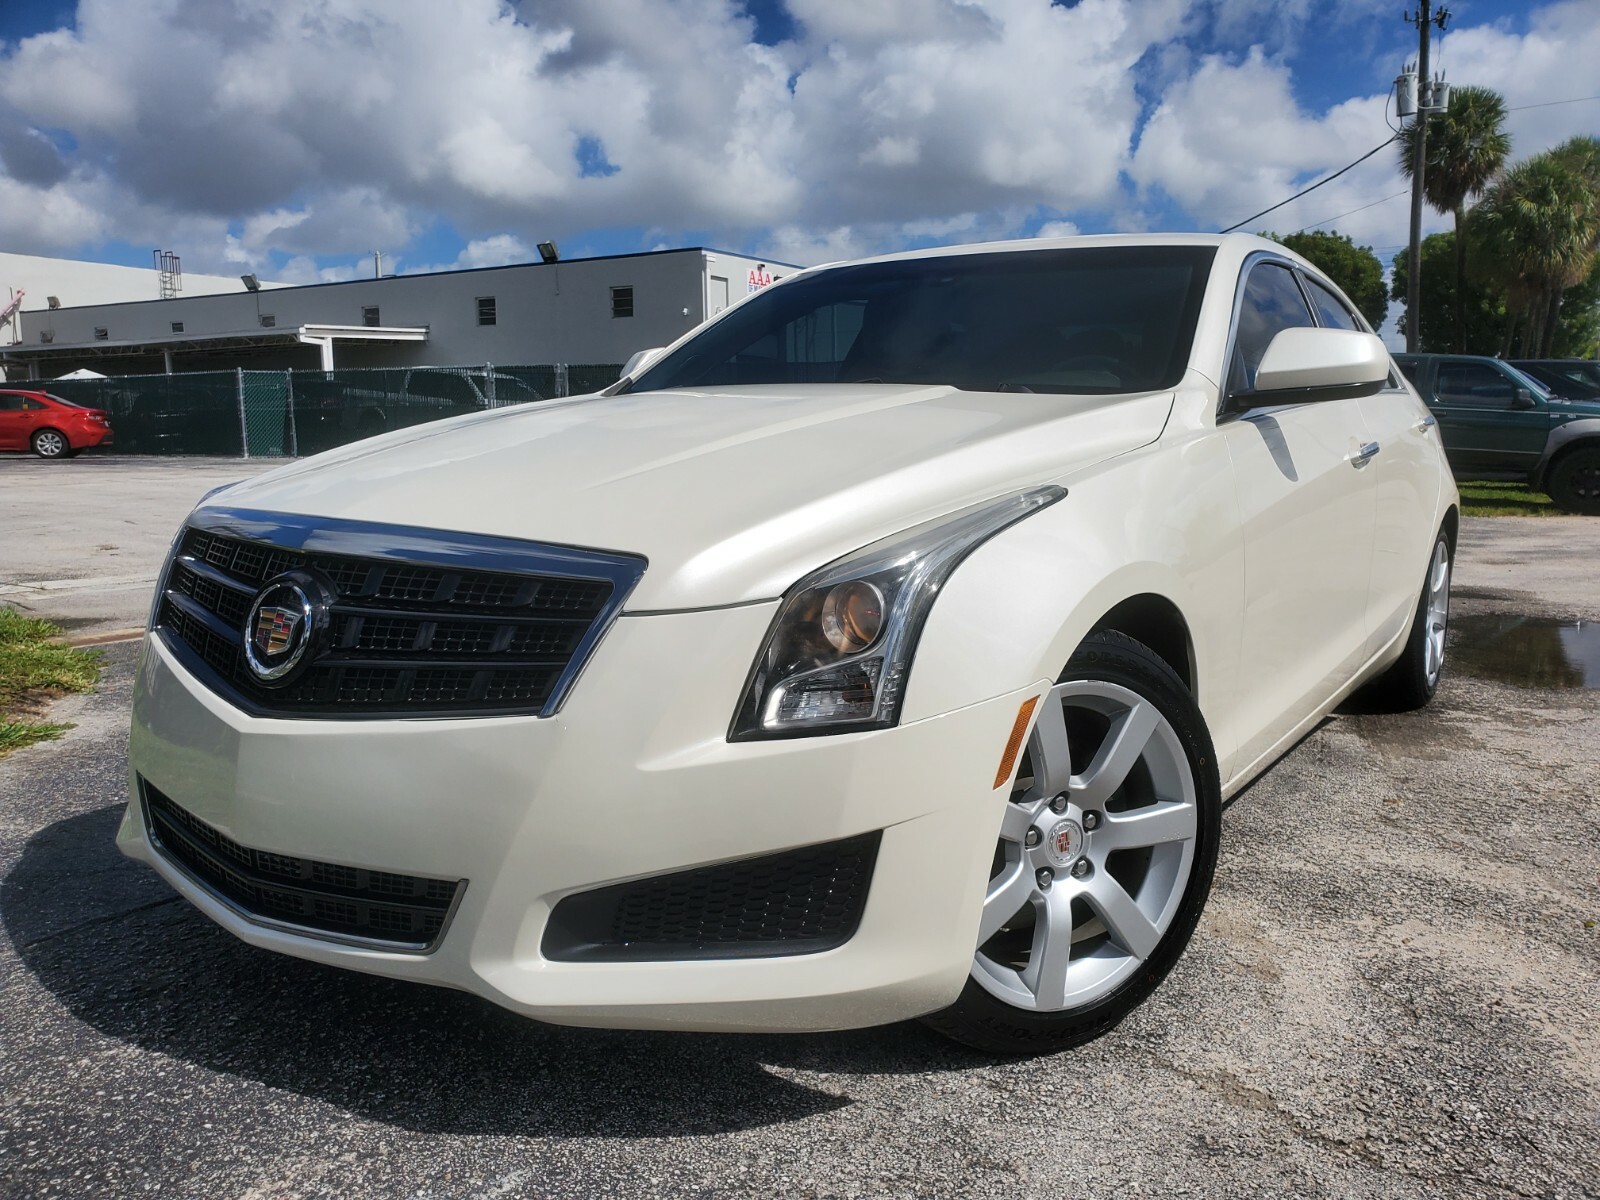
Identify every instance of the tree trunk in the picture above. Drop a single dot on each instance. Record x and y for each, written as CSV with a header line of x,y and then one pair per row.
x,y
1552,315
1461,282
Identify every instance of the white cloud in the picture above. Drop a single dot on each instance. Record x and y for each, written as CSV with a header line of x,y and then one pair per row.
x,y
244,133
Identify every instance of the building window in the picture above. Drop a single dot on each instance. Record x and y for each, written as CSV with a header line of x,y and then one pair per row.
x,y
100,333
485,310
177,327
268,320
369,314
622,302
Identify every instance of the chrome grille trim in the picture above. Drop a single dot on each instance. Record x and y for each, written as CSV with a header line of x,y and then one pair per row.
x,y
426,624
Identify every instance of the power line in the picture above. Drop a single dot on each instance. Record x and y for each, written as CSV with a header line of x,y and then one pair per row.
x,y
1351,213
1314,186
1553,103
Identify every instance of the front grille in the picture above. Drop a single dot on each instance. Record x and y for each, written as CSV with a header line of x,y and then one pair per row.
x,y
404,912
797,902
405,637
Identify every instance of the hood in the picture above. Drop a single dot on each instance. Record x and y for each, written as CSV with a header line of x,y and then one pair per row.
x,y
731,494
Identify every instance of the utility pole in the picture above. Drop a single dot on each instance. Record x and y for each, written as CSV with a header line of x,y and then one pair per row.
x,y
1424,19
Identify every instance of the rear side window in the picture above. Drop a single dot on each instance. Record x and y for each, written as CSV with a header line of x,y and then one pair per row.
x,y
1272,302
1330,309
10,403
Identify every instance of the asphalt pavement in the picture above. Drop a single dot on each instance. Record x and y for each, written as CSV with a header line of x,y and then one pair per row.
x,y
1393,993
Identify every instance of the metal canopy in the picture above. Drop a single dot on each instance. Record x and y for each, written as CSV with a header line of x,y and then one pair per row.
x,y
324,337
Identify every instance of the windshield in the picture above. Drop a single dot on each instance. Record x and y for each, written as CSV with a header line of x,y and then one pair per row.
x,y
1094,320
1538,388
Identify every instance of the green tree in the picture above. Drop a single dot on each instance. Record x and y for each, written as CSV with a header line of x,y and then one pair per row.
x,y
1471,321
1465,147
1356,269
1542,219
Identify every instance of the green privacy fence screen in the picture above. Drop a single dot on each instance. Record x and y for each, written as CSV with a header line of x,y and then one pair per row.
x,y
271,414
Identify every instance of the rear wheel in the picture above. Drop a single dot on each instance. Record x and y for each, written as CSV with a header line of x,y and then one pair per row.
x,y
1412,680
51,443
1106,852
1575,482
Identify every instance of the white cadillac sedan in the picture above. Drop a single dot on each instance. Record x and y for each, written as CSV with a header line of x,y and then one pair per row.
x,y
885,648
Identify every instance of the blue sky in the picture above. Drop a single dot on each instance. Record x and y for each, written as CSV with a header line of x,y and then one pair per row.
x,y
293,137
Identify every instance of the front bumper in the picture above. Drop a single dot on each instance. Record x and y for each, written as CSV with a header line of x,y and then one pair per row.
x,y
633,779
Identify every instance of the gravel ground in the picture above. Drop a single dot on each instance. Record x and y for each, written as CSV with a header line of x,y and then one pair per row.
x,y
1393,993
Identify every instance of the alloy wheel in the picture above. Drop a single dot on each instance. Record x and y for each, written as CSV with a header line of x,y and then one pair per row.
x,y
1096,849
47,443
1438,614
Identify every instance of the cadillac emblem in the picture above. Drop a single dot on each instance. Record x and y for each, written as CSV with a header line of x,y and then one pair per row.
x,y
284,618
1065,842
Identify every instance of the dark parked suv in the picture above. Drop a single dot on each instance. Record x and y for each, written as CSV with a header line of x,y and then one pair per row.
x,y
1574,378
1499,423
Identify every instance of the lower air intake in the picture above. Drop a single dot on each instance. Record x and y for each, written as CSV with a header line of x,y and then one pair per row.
x,y
351,904
797,902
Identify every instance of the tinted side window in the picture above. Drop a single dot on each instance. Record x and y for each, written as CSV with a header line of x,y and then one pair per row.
x,y
1413,372
10,403
1473,384
1272,302
1331,309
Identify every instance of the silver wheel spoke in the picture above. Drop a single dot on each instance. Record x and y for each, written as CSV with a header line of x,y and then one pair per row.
x,y
1166,821
1046,974
1012,889
1052,758
1014,824
1129,735
1126,924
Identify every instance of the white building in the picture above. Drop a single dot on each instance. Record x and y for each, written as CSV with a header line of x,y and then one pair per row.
x,y
591,310
69,282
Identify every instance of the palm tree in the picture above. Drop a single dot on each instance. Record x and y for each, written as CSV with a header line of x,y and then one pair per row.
x,y
1542,219
1466,145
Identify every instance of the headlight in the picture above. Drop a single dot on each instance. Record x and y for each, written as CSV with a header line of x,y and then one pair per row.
x,y
837,656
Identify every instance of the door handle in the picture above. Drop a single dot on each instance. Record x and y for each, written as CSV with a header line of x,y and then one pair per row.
x,y
1426,424
1364,455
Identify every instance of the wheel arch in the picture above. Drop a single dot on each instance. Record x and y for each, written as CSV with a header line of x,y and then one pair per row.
x,y
1155,621
1564,440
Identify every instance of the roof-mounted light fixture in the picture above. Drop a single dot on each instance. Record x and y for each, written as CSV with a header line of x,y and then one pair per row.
x,y
251,283
548,252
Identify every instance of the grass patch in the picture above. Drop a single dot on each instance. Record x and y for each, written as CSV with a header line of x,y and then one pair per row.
x,y
1505,500
33,671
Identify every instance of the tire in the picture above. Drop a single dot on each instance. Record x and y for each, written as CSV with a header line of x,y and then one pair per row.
x,y
1411,682
1118,797
50,443
1575,482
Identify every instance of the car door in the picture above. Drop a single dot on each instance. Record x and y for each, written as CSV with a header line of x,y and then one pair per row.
x,y
1491,424
1405,483
11,422
1307,502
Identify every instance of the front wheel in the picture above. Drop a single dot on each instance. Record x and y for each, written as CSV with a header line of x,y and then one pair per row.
x,y
1107,847
1575,482
49,443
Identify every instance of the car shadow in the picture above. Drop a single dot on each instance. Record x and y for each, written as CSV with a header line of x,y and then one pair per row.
x,y
122,952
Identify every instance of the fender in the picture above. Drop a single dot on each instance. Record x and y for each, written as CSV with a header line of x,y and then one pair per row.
x,y
1014,611
1562,436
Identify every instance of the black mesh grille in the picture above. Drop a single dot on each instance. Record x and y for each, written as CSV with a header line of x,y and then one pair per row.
x,y
797,902
404,640
406,911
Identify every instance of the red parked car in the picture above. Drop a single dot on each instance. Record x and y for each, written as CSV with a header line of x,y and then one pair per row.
x,y
48,425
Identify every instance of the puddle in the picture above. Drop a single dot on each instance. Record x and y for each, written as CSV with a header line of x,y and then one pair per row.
x,y
1530,652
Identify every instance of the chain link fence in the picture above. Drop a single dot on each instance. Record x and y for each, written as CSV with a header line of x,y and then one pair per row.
x,y
271,414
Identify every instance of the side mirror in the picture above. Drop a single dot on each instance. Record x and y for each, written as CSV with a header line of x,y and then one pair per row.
x,y
640,360
1304,365
1522,398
